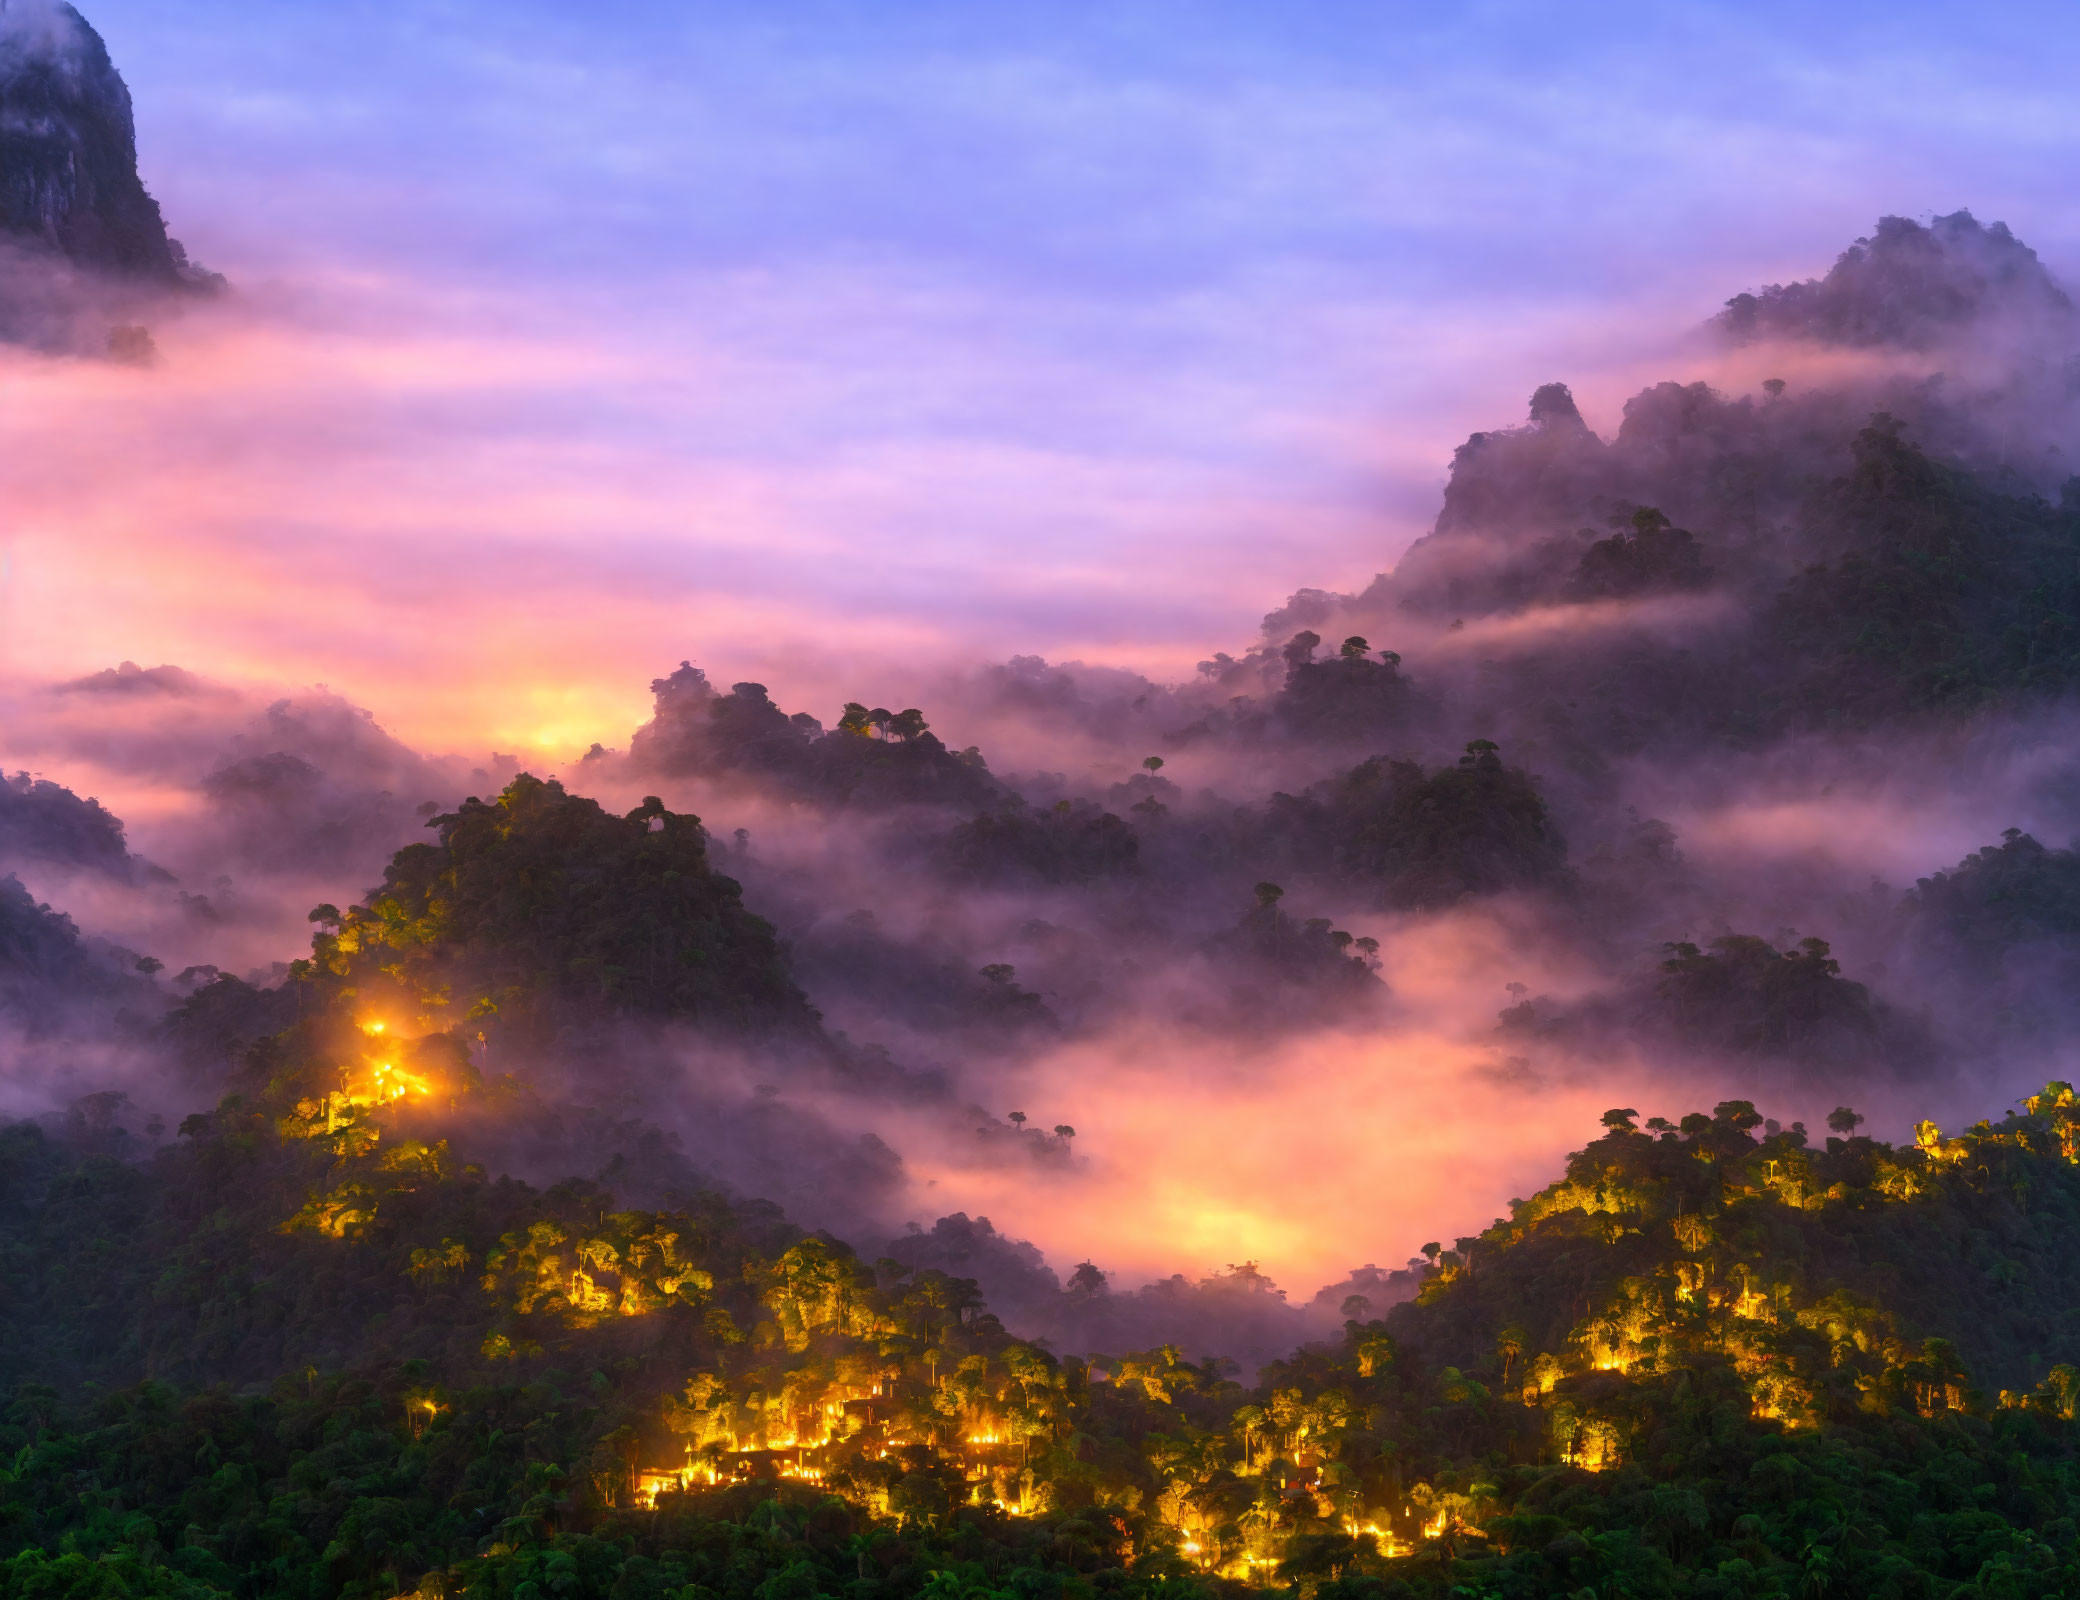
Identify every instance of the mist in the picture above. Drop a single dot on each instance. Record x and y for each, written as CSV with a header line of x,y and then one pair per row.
x,y
1231,962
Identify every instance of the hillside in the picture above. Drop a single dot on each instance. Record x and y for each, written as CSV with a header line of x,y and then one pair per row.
x,y
310,1347
1706,1362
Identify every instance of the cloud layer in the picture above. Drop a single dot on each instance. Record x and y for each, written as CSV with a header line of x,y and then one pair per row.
x,y
843,355
565,349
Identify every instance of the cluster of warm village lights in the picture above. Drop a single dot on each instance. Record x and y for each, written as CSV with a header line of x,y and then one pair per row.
x,y
991,1459
988,1460
837,1420
796,1465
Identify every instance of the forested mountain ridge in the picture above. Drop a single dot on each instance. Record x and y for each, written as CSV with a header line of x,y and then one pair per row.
x,y
1712,1360
309,1349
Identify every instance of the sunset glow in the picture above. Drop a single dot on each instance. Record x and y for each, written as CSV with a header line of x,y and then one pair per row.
x,y
981,802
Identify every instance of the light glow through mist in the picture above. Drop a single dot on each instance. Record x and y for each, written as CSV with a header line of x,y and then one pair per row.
x,y
845,354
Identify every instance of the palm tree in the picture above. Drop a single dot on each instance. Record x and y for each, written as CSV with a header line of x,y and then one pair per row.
x,y
1509,1344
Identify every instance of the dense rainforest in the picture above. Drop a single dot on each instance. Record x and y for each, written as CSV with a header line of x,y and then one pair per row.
x,y
308,1346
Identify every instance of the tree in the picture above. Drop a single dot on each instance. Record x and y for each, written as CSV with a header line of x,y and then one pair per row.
x,y
1152,765
1654,556
1346,699
1068,843
1018,1119
1621,1121
1843,1121
1428,836
1509,1344
1064,1132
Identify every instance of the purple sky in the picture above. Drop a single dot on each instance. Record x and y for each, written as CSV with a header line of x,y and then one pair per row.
x,y
830,345
816,341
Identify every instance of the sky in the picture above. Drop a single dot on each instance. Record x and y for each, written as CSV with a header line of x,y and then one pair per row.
x,y
838,346
822,342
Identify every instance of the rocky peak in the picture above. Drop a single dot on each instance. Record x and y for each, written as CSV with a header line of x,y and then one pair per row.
x,y
68,149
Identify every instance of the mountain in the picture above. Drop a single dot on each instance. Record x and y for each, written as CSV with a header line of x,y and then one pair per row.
x,y
68,150
328,1342
43,821
1909,285
325,1342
